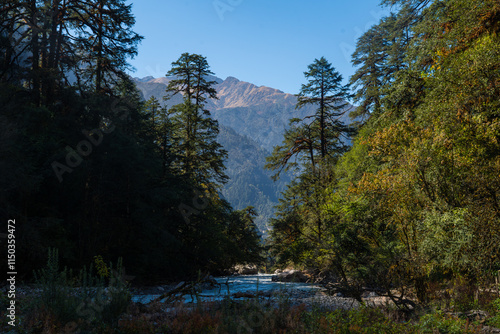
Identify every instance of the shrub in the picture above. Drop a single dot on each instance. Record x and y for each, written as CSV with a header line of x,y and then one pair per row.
x,y
56,299
66,302
495,319
444,323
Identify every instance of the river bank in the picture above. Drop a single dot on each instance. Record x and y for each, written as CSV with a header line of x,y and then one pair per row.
x,y
261,287
251,303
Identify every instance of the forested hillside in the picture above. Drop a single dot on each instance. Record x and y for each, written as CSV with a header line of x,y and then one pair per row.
x,y
89,168
248,182
414,204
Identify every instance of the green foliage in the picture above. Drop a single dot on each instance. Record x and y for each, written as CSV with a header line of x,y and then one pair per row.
x,y
379,54
102,269
56,292
432,322
242,231
118,295
495,319
415,200
83,301
194,132
450,231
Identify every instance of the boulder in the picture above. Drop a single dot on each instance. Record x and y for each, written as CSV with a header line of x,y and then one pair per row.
x,y
490,330
251,269
290,276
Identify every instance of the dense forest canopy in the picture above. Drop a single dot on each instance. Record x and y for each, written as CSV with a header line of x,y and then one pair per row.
x,y
416,198
89,168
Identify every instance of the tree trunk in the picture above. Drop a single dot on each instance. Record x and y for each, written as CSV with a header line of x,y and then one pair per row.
x,y
98,79
35,49
322,121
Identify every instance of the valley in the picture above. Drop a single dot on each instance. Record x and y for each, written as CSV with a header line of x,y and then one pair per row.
x,y
252,121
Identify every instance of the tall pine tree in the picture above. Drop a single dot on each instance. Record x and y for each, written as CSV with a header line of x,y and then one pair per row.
x,y
200,156
316,138
324,89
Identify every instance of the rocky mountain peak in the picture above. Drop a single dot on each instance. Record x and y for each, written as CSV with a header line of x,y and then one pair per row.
x,y
231,80
145,79
234,93
259,112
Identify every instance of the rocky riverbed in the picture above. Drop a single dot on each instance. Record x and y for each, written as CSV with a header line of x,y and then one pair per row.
x,y
263,287
244,287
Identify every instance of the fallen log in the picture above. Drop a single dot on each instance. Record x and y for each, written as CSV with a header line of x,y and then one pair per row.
x,y
186,288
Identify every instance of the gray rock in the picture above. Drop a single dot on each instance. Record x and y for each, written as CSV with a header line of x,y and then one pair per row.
x,y
246,270
290,276
490,330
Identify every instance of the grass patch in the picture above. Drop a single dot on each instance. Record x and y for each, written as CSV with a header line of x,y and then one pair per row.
x,y
67,303
259,317
100,303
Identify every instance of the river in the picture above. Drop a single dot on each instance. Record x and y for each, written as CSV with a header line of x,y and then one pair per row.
x,y
243,283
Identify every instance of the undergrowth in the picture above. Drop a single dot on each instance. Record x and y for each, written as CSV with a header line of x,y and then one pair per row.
x,y
259,317
71,303
101,303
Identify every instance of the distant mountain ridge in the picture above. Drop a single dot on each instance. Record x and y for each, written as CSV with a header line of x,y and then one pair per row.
x,y
252,121
234,93
259,112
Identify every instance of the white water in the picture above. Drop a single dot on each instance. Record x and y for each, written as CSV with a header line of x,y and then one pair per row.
x,y
244,283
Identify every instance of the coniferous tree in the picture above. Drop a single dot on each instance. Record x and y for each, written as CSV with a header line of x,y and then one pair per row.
x,y
106,40
200,157
10,13
320,137
161,131
378,55
324,89
315,142
300,146
71,42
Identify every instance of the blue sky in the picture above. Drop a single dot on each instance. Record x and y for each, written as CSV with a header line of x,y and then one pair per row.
x,y
265,42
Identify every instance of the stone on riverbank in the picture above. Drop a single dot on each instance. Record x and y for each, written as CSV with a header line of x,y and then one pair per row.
x,y
290,276
241,269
